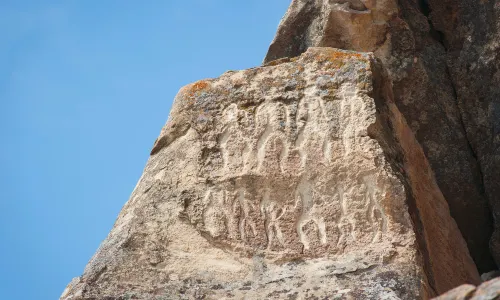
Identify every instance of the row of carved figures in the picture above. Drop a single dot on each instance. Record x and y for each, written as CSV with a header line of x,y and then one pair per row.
x,y
323,217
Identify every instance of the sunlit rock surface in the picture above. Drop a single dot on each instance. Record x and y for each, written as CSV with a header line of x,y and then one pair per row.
x,y
296,180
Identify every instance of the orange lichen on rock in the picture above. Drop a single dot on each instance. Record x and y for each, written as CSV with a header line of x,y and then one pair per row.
x,y
193,90
335,56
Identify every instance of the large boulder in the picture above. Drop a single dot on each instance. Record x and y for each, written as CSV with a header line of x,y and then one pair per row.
x,y
445,82
295,180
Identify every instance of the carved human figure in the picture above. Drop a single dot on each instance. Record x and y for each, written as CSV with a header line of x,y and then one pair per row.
x,y
234,142
247,224
309,203
222,213
312,139
272,213
272,145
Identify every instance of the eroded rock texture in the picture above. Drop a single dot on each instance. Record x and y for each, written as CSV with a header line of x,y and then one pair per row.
x,y
445,82
297,180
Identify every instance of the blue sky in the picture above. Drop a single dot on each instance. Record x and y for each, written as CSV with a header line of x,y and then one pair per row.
x,y
85,87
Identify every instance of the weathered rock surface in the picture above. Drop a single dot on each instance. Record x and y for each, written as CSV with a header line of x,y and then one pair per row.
x,y
487,291
471,34
446,83
297,180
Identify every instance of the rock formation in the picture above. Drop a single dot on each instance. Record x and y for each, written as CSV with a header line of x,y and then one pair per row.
x,y
362,173
444,111
299,179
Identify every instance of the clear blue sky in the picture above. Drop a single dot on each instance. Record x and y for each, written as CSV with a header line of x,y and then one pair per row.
x,y
85,87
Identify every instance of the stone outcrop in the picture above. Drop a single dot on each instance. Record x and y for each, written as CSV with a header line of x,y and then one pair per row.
x,y
361,161
296,180
442,57
487,291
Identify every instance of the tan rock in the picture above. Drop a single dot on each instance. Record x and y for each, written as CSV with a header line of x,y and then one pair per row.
x,y
296,180
487,291
459,293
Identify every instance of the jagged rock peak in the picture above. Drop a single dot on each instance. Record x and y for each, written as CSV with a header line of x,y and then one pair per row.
x,y
346,24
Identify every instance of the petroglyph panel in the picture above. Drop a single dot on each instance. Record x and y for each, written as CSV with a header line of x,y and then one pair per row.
x,y
279,170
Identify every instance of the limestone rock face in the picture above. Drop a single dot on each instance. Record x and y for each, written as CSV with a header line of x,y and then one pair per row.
x,y
445,83
296,180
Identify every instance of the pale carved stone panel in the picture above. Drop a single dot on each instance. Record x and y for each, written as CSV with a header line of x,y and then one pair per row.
x,y
281,179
